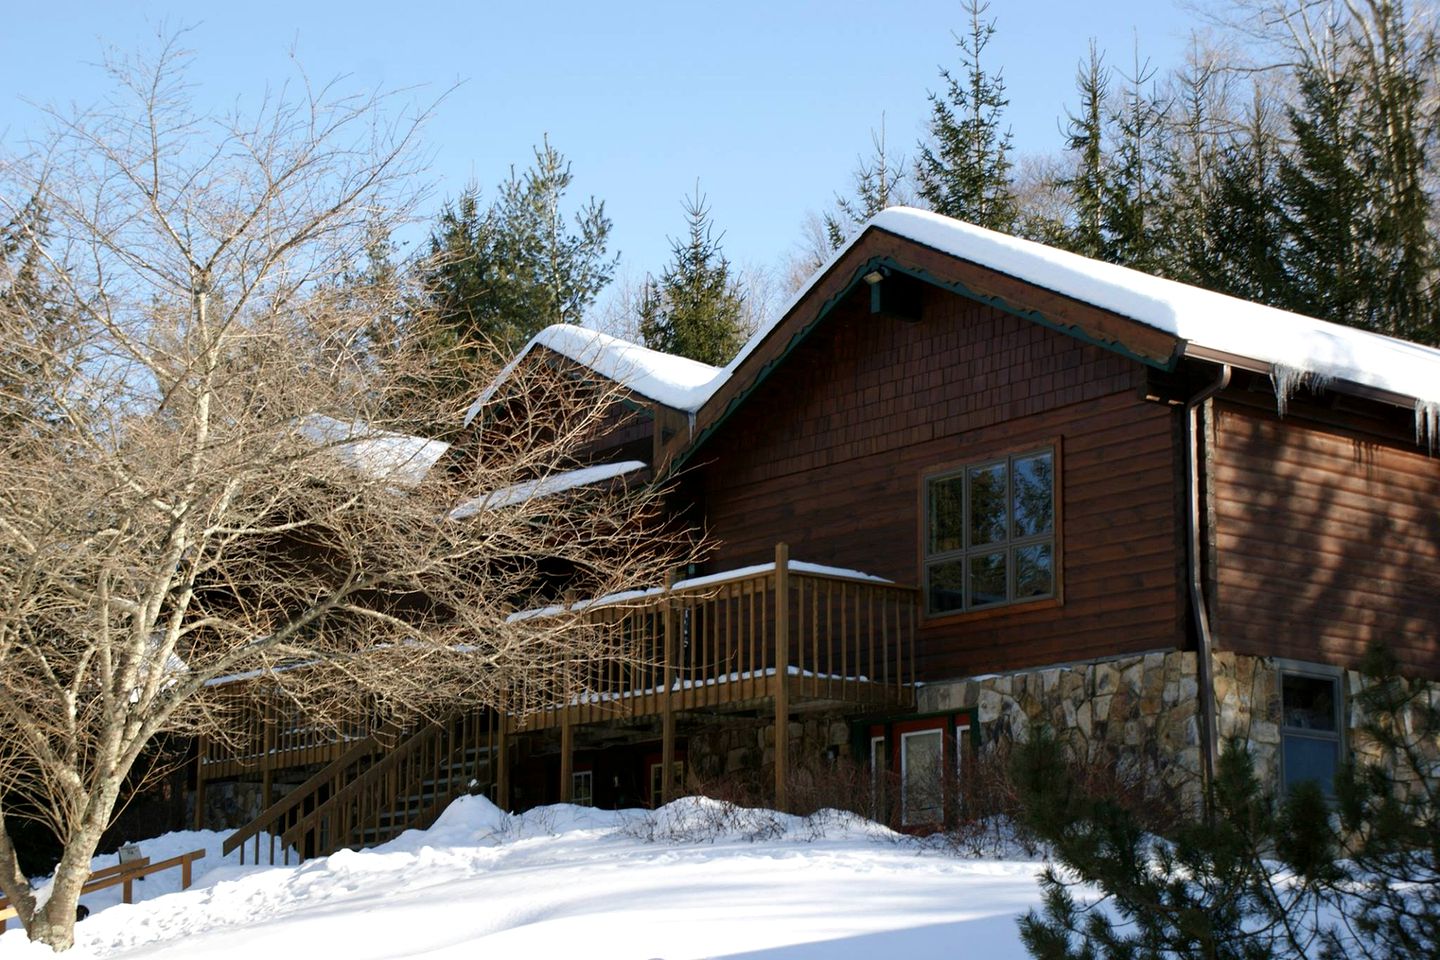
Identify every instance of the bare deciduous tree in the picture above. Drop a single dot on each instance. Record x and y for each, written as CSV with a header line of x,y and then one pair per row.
x,y
199,481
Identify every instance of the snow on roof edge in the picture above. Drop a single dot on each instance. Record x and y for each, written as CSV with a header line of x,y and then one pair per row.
x,y
1291,342
546,486
672,380
380,454
1299,349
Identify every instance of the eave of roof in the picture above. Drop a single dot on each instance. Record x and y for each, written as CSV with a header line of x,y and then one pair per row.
x,y
1159,321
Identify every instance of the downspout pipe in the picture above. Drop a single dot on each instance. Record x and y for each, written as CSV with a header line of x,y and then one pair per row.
x,y
1204,662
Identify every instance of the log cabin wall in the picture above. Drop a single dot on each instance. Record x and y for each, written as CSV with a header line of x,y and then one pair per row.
x,y
1326,536
829,454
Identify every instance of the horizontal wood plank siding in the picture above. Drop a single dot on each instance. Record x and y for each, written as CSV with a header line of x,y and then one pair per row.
x,y
829,453
1326,540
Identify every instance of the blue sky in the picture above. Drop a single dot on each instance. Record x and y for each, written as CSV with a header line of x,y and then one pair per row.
x,y
766,103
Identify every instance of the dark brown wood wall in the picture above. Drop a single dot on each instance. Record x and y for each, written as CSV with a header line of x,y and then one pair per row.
x,y
829,452
1326,539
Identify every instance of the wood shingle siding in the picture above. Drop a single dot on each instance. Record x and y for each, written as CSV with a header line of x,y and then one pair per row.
x,y
830,452
1327,540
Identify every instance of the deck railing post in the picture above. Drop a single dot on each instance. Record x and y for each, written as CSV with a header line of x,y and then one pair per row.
x,y
268,720
667,706
782,675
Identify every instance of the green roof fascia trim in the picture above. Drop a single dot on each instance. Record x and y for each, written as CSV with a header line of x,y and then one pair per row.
x,y
894,266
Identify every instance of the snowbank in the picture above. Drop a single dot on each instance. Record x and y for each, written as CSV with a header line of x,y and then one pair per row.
x,y
164,847
693,879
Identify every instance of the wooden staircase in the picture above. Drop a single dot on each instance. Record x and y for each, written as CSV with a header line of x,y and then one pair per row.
x,y
380,787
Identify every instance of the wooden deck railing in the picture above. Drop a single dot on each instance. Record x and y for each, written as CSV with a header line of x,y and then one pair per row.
x,y
124,876
778,633
698,644
717,641
271,736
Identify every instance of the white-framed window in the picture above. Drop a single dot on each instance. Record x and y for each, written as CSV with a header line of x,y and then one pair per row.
x,y
1311,725
582,788
922,788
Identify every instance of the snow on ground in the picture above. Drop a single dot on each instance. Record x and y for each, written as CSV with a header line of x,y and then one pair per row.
x,y
157,884
695,879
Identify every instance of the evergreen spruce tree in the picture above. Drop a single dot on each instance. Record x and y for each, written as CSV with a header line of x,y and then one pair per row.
x,y
1244,254
1326,200
963,169
1356,187
1395,68
1190,153
696,308
1084,140
1116,188
1364,872
499,275
34,333
879,182
1389,820
1132,187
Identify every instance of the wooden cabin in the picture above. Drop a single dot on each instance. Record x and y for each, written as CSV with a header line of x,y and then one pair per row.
x,y
966,484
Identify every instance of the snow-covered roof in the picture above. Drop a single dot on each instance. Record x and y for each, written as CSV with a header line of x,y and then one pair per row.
x,y
379,454
677,382
545,487
1295,348
1300,345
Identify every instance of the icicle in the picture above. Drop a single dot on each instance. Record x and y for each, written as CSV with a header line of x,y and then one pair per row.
x,y
1284,379
1427,423
1288,380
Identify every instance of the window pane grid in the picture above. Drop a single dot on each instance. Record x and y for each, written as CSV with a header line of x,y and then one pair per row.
x,y
965,552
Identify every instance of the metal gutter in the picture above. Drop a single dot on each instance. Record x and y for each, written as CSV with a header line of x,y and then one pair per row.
x,y
1204,663
1193,350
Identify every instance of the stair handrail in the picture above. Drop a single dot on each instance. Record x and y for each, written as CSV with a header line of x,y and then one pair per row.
x,y
374,772
458,746
294,798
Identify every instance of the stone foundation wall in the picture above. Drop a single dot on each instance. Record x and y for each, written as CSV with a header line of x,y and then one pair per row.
x,y
1247,705
230,804
1247,709
745,749
1142,708
1146,708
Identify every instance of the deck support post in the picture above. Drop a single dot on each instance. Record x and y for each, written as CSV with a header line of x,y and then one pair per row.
x,y
667,707
567,757
502,761
199,782
782,675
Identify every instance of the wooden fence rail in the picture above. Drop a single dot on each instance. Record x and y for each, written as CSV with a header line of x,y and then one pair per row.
x,y
123,876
